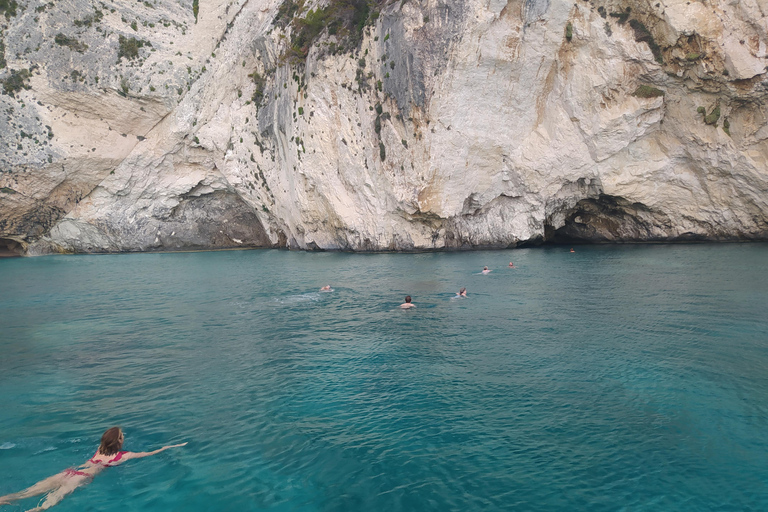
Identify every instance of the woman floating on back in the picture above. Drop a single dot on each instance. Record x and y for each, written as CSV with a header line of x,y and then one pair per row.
x,y
61,484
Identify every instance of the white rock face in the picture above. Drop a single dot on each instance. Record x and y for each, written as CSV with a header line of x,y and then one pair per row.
x,y
451,125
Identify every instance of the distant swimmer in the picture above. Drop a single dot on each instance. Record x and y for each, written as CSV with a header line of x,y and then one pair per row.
x,y
326,288
462,292
407,304
61,484
511,265
572,249
486,270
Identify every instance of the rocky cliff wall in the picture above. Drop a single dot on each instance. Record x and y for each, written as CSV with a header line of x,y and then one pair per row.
x,y
159,125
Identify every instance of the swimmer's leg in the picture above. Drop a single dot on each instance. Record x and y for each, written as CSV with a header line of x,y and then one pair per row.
x,y
43,486
58,494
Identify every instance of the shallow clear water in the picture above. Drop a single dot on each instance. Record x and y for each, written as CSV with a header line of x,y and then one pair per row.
x,y
612,378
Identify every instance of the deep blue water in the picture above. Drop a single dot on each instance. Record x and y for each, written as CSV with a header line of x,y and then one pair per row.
x,y
612,378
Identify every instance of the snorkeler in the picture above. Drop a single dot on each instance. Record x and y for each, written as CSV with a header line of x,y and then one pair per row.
x,y
462,292
407,304
61,484
486,270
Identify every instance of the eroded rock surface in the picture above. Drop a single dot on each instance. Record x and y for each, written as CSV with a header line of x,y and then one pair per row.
x,y
137,126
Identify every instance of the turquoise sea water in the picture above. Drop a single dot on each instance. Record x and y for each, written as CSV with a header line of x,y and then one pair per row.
x,y
612,378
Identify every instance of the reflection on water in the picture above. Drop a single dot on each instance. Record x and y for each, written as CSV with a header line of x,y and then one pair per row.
x,y
613,377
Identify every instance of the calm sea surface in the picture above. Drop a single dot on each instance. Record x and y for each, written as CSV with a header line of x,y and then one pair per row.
x,y
612,378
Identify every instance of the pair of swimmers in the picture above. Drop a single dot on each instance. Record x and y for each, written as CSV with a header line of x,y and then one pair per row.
x,y
61,484
408,304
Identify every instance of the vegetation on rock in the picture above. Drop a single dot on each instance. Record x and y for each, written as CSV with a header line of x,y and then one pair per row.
x,y
16,81
713,116
8,8
70,42
258,93
646,91
344,19
129,48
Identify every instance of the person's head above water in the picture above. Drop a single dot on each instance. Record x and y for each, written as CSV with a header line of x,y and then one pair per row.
x,y
111,441
58,486
407,299
462,292
485,268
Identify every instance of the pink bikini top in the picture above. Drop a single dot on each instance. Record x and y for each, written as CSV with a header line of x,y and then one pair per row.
x,y
109,462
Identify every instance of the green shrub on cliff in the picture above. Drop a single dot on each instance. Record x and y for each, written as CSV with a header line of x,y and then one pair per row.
x,y
2,53
129,48
345,19
569,31
16,81
713,116
70,42
8,8
258,93
646,91
195,9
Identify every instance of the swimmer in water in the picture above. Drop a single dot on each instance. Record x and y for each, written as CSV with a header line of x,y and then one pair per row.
x,y
407,304
462,292
326,288
572,249
485,270
61,484
511,265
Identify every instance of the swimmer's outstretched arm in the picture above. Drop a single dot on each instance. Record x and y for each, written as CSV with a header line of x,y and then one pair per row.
x,y
139,455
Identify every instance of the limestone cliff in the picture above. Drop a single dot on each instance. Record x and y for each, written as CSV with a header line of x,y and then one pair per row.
x,y
403,125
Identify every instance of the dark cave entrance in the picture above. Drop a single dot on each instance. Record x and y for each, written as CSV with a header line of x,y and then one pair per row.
x,y
10,248
607,219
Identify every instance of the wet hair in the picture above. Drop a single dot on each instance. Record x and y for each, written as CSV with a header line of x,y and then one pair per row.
x,y
485,268
407,298
462,290
111,442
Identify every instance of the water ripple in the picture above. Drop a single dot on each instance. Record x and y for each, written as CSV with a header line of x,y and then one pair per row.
x,y
612,378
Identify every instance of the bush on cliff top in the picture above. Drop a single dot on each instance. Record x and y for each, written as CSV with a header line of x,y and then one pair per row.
x,y
345,19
